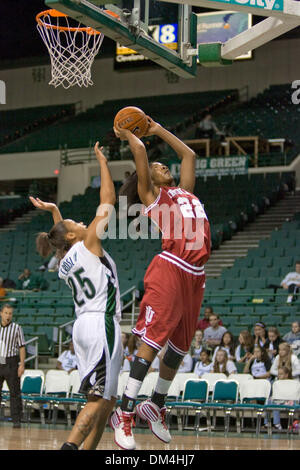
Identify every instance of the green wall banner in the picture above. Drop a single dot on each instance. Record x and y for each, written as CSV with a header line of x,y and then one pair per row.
x,y
215,166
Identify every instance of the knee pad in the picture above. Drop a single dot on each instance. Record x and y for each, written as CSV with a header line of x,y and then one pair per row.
x,y
172,359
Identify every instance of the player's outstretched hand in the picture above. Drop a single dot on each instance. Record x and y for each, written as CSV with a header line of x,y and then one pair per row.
x,y
121,133
44,206
99,154
153,127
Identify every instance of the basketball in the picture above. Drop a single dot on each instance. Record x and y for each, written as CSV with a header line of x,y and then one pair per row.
x,y
134,119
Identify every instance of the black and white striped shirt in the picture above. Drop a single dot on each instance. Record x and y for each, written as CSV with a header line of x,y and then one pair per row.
x,y
11,339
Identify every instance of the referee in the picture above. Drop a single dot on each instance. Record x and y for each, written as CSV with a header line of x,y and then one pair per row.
x,y
12,361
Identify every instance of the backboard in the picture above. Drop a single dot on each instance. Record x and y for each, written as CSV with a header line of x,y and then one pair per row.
x,y
161,32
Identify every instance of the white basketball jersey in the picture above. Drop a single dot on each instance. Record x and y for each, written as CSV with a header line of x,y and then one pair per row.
x,y
93,280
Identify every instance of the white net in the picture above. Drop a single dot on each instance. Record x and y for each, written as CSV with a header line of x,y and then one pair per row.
x,y
72,50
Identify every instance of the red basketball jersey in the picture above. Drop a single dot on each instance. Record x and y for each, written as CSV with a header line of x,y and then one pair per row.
x,y
185,229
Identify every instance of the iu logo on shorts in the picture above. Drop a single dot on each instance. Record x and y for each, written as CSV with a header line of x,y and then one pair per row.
x,y
149,314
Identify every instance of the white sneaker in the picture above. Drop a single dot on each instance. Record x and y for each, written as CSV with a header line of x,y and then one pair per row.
x,y
290,299
155,417
121,422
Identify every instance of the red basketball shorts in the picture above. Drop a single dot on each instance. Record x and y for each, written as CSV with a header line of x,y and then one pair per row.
x,y
171,304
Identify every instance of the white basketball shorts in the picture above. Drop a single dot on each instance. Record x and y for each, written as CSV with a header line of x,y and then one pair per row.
x,y
99,352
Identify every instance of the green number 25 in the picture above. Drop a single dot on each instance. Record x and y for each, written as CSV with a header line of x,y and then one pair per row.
x,y
85,283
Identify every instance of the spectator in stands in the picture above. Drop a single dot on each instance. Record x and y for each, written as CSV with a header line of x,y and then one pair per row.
x,y
226,344
125,339
67,360
156,362
2,290
204,365
294,334
291,283
133,345
293,337
222,364
186,364
9,284
284,373
126,176
206,129
259,364
260,334
197,346
214,333
272,343
204,323
27,281
51,265
244,350
286,358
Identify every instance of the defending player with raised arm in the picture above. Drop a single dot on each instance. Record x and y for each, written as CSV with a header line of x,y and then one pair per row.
x,y
174,281
91,274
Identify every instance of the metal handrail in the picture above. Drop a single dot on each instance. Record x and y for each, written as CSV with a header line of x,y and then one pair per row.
x,y
35,356
131,302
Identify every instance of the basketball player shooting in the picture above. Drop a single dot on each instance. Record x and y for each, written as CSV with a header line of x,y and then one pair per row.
x,y
174,281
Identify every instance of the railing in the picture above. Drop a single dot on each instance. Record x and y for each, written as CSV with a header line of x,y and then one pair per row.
x,y
60,335
34,356
244,93
77,156
131,303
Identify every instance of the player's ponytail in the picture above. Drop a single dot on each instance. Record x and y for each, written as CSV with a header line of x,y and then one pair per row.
x,y
55,240
43,245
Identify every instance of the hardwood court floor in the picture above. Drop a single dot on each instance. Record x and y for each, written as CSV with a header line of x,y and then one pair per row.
x,y
36,437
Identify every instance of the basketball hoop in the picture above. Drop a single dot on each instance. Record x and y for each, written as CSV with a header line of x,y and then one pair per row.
x,y
72,49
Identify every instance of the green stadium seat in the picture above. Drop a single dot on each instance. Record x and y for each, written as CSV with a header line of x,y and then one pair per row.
x,y
230,320
226,310
28,331
244,263
219,300
250,272
269,272
284,329
217,284
266,262
255,283
60,320
274,281
235,330
257,252
65,311
272,320
242,310
264,309
234,283
232,273
285,261
246,320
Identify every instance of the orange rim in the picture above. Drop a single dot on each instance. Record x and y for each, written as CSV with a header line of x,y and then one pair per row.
x,y
57,14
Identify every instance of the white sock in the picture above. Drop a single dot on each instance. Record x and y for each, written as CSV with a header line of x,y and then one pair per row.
x,y
132,388
162,386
